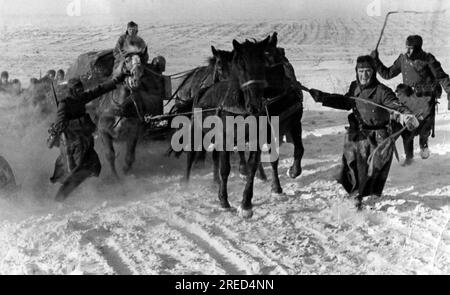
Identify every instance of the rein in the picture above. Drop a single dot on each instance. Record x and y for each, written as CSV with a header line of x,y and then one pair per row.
x,y
251,82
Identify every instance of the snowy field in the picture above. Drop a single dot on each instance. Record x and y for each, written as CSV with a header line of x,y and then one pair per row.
x,y
151,223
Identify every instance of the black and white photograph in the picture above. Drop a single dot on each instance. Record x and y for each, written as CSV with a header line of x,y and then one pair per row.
x,y
226,138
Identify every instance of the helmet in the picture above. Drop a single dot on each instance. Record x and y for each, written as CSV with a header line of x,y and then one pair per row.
x,y
414,40
5,75
132,24
52,73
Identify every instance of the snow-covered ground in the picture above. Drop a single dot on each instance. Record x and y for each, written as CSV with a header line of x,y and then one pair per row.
x,y
151,223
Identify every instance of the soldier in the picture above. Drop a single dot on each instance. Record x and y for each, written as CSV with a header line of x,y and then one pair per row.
x,y
422,72
51,74
4,83
72,131
368,147
49,77
130,34
16,87
60,76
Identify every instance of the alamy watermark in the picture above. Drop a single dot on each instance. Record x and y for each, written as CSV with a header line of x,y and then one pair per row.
x,y
242,134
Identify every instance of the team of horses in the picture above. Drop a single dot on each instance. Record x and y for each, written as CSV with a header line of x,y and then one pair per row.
x,y
253,79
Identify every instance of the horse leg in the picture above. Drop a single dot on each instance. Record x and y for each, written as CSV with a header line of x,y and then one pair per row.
x,y
276,186
190,157
110,153
130,156
245,209
260,174
242,164
224,165
215,156
296,133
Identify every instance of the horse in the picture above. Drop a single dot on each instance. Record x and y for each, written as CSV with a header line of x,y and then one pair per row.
x,y
193,87
121,114
196,83
289,106
284,99
240,95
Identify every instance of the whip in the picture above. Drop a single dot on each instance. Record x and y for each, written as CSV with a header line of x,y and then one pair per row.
x,y
404,11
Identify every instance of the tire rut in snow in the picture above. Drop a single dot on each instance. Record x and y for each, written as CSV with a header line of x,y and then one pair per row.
x,y
97,237
220,258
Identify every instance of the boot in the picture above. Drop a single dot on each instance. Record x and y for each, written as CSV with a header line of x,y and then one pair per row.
x,y
425,152
408,161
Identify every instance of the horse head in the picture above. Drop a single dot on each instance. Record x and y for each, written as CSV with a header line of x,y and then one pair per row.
x,y
248,69
134,69
221,62
134,50
273,54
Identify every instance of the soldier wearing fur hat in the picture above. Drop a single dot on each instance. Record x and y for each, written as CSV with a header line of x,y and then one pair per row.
x,y
72,132
130,34
424,74
368,148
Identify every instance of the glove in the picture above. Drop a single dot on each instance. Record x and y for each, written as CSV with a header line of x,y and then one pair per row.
x,y
410,121
316,94
52,141
54,131
374,54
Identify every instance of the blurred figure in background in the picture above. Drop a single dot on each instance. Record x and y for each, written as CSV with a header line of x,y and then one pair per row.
x,y
60,75
4,83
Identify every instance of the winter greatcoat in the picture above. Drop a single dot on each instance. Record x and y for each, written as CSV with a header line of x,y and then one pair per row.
x,y
74,127
367,150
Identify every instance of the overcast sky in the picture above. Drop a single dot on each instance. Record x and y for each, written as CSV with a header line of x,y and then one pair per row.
x,y
182,10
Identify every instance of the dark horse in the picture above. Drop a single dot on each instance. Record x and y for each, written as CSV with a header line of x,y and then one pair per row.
x,y
284,99
194,86
121,114
240,95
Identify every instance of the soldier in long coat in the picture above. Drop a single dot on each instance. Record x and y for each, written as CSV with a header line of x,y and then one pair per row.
x,y
72,132
424,74
368,148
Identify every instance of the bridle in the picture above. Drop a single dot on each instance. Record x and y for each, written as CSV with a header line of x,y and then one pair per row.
x,y
130,81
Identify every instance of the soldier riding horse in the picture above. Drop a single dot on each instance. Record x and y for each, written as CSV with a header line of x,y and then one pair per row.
x,y
121,115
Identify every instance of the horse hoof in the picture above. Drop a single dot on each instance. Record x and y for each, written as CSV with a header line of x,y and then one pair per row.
x,y
228,209
245,213
294,172
225,205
